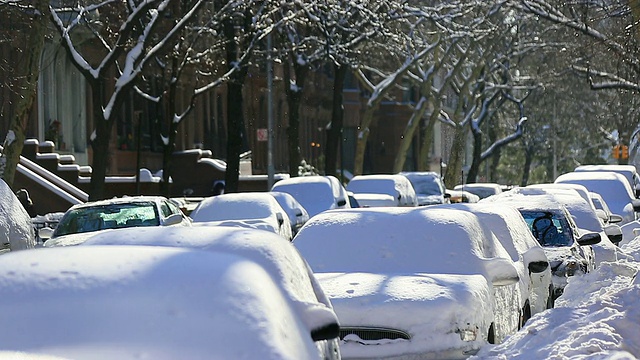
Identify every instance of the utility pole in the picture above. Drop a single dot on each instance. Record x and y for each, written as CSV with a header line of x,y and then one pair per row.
x,y
270,136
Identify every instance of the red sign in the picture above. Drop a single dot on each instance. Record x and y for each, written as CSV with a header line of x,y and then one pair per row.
x,y
262,134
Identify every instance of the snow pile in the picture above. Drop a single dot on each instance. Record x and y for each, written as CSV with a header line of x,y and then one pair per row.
x,y
597,317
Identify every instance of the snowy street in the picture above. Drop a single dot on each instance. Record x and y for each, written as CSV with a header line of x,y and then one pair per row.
x,y
597,317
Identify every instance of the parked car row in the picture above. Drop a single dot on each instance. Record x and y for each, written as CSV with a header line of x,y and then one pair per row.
x,y
384,267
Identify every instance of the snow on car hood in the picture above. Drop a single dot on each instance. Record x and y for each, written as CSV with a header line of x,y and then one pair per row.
x,y
73,239
429,307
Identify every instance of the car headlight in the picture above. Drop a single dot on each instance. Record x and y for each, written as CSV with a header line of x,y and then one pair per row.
x,y
568,268
469,334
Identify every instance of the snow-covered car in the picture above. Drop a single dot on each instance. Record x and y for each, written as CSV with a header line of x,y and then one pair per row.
x,y
258,210
16,229
567,247
80,221
462,196
628,171
613,187
429,187
577,199
133,302
316,193
483,190
412,282
277,255
396,190
298,215
508,226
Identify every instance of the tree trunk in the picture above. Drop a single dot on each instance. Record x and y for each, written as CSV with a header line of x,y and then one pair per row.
x,y
294,99
528,161
409,131
335,141
28,69
235,127
100,146
454,174
472,175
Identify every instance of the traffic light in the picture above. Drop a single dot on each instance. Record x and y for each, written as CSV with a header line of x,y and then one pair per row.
x,y
616,151
624,152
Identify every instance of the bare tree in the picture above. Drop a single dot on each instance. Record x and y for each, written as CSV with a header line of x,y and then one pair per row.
x,y
28,25
127,35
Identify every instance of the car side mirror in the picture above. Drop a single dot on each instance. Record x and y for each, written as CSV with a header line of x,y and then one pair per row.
x,y
636,204
602,215
501,271
342,202
537,267
614,233
447,196
45,233
591,238
173,219
637,193
615,218
280,219
320,319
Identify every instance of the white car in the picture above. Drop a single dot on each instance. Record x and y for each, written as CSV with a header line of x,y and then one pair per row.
x,y
258,210
412,282
275,254
483,190
80,221
628,171
508,226
316,193
16,229
429,187
613,187
383,190
133,302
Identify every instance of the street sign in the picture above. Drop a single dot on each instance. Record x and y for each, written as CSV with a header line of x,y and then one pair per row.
x,y
262,134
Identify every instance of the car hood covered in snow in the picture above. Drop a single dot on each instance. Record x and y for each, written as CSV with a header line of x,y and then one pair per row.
x,y
435,312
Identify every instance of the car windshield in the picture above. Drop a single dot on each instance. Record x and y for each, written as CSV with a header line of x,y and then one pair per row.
x,y
426,185
109,216
548,228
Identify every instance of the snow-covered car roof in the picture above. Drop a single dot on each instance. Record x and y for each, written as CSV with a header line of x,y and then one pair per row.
x,y
244,206
375,200
316,193
457,196
395,185
16,229
581,189
628,171
483,190
397,240
124,302
582,212
613,187
266,248
428,186
507,224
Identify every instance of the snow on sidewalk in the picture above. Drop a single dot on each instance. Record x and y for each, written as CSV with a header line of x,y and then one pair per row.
x,y
597,317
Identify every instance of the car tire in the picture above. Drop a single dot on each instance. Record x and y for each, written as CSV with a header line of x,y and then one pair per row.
x,y
491,335
552,298
525,315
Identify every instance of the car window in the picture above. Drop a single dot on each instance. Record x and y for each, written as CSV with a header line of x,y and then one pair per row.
x,y
166,210
93,218
548,228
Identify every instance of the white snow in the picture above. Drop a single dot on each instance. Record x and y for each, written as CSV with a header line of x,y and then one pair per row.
x,y
397,186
